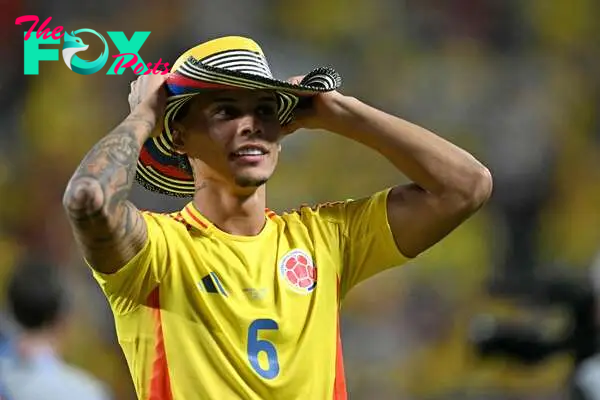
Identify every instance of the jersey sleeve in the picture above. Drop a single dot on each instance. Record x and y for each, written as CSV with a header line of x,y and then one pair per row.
x,y
367,242
132,284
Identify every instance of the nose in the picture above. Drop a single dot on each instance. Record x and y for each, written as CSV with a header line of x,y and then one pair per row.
x,y
250,125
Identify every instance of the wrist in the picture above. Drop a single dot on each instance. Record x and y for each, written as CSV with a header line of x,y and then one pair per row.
x,y
144,111
145,121
343,113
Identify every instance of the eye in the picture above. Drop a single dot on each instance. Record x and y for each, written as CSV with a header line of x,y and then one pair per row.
x,y
267,110
226,112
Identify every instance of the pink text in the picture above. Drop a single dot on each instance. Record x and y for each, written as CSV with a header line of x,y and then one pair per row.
x,y
42,30
140,66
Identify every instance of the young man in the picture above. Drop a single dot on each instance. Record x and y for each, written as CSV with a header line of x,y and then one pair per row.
x,y
225,299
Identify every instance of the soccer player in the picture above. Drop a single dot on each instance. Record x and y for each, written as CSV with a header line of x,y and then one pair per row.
x,y
225,299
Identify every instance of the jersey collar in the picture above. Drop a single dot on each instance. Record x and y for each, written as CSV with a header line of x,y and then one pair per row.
x,y
193,217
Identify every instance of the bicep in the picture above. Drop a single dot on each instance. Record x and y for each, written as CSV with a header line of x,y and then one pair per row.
x,y
109,241
419,219
127,252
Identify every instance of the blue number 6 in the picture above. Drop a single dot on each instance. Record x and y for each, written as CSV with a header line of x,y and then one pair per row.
x,y
255,346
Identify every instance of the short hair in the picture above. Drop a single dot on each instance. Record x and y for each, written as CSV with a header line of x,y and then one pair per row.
x,y
184,162
36,297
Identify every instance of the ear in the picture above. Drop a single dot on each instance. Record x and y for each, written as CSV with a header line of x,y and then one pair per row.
x,y
179,134
279,147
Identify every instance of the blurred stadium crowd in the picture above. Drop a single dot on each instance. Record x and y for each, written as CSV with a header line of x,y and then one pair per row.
x,y
514,82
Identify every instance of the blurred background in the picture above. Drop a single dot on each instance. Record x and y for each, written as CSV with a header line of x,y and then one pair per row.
x,y
514,82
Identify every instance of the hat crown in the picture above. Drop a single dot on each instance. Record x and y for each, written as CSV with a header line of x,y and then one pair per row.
x,y
234,53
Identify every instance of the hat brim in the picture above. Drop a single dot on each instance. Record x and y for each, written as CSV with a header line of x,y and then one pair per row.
x,y
159,166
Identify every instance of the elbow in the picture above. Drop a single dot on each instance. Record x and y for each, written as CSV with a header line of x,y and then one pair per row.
x,y
83,197
477,188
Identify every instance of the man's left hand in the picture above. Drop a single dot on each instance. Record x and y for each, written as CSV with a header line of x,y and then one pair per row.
x,y
322,112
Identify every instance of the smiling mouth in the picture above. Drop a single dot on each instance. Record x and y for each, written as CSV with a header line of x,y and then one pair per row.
x,y
249,153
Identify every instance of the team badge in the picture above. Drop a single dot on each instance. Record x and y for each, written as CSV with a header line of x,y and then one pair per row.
x,y
298,270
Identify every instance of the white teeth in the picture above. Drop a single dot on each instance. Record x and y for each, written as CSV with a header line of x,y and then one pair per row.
x,y
249,152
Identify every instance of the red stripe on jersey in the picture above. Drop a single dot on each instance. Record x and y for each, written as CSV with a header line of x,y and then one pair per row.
x,y
339,385
270,213
160,383
195,218
179,218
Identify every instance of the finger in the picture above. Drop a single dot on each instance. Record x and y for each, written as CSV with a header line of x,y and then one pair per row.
x,y
134,86
295,80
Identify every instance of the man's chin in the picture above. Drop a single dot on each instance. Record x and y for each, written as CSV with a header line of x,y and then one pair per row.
x,y
250,182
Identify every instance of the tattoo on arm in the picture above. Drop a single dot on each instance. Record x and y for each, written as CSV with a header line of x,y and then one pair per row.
x,y
96,198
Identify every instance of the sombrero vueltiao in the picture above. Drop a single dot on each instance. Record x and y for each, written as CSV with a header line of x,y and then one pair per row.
x,y
223,63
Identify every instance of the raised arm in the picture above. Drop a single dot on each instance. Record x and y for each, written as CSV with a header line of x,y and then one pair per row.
x,y
449,184
108,228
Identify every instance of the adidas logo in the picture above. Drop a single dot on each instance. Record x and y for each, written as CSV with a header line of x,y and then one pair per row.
x,y
211,284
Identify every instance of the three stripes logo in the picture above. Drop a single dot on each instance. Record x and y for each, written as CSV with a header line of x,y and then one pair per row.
x,y
212,284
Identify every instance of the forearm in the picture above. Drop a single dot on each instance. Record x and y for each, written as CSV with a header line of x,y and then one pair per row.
x,y
106,174
96,196
430,161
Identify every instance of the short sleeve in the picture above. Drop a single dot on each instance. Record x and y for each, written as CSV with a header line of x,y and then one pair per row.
x,y
368,243
132,284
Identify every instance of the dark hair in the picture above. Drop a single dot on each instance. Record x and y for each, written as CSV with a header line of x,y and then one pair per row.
x,y
36,297
184,162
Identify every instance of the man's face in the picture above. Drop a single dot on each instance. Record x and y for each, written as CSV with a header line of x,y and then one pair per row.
x,y
231,136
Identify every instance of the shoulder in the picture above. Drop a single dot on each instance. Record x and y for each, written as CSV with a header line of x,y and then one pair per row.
x,y
340,212
327,212
166,221
82,383
61,381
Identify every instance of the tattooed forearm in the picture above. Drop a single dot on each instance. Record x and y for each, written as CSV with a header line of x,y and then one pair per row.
x,y
107,226
107,171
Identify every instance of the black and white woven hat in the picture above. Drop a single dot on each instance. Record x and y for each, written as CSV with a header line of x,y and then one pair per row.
x,y
223,63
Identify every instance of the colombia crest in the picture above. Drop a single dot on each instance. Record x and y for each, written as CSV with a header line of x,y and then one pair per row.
x,y
298,270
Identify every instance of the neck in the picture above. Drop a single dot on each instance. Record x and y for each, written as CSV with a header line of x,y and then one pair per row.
x,y
237,212
36,344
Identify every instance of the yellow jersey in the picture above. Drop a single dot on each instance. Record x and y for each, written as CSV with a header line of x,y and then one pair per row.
x,y
203,314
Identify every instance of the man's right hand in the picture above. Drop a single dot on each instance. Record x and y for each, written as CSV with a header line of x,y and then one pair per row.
x,y
148,97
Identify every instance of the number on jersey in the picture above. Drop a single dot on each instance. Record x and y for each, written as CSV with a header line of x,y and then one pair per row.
x,y
257,346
